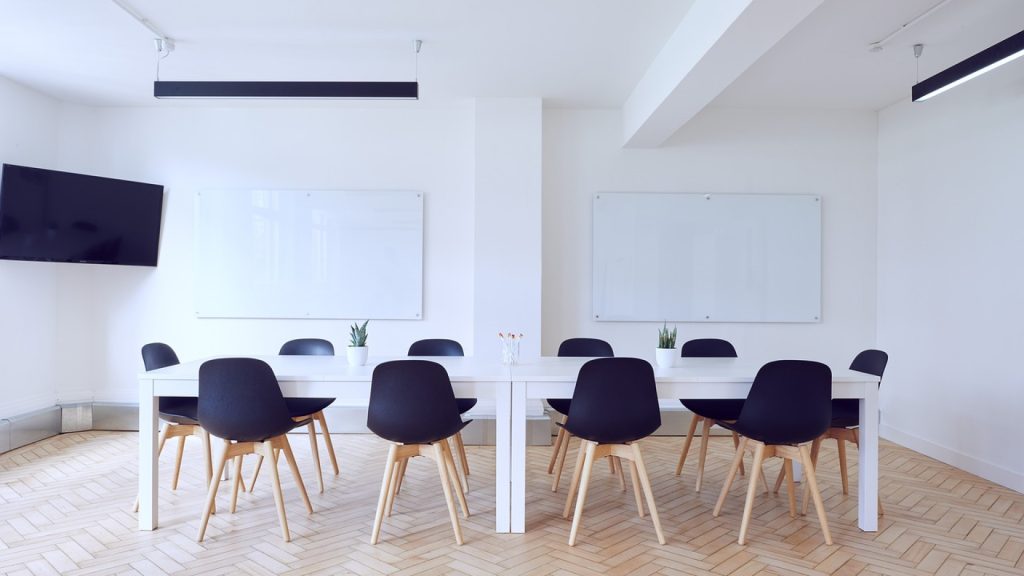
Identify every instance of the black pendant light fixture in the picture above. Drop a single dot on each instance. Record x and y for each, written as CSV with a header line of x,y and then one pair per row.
x,y
988,59
335,90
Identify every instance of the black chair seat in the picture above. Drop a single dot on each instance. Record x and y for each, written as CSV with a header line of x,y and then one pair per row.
x,y
560,405
845,413
306,406
715,409
465,404
178,410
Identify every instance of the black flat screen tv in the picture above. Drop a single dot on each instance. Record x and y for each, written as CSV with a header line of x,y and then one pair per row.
x,y
52,216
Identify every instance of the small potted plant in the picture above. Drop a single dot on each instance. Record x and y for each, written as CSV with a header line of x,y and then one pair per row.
x,y
357,350
666,353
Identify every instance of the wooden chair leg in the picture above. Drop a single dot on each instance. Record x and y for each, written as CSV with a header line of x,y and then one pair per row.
x,y
735,446
396,477
460,493
841,447
588,464
255,473
460,472
161,439
556,448
447,488
385,485
787,470
730,477
463,459
211,495
622,476
694,420
268,452
315,451
748,506
319,417
779,479
646,483
815,448
177,462
633,477
207,454
812,482
402,464
562,454
235,483
705,432
577,472
289,456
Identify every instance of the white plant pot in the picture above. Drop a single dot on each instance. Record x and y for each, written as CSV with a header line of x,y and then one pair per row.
x,y
666,357
357,355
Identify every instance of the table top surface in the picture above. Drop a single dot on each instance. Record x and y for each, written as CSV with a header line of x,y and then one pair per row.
x,y
468,368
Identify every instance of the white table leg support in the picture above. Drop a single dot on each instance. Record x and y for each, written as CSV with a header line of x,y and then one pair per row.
x,y
518,458
149,473
867,485
502,459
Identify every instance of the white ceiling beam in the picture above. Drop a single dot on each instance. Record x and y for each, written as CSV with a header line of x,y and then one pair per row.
x,y
716,41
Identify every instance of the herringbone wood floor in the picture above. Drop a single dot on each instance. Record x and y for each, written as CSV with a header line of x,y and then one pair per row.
x,y
65,508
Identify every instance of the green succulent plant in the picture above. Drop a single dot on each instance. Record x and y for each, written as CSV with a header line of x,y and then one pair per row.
x,y
666,339
358,335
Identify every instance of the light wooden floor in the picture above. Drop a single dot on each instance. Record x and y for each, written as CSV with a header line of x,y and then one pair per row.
x,y
65,508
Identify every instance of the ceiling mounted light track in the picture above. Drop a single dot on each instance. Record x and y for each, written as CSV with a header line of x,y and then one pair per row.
x,y
280,90
988,59
336,90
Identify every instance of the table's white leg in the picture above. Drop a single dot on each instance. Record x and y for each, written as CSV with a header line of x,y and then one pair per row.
x,y
867,485
149,472
518,458
502,456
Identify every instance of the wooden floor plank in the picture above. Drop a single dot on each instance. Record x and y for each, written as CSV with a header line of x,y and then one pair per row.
x,y
65,508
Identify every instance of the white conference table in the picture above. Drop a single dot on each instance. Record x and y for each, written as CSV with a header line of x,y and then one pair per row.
x,y
509,387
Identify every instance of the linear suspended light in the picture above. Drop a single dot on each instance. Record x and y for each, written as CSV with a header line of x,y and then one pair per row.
x,y
336,90
988,59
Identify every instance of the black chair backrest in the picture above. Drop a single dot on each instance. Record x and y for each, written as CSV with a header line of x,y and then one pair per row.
x,y
436,347
411,401
615,400
708,348
790,402
585,348
307,347
871,362
240,399
158,355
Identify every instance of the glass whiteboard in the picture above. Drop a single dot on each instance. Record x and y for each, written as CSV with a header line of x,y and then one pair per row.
x,y
707,257
309,254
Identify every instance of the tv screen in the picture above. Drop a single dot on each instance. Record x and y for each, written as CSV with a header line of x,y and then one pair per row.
x,y
56,216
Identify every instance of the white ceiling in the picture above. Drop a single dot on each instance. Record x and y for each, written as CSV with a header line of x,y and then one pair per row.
x,y
570,52
825,61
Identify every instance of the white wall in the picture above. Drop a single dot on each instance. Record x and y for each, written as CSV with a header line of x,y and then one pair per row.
x,y
117,309
950,274
831,153
28,323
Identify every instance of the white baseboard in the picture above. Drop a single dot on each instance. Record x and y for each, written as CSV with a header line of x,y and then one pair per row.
x,y
987,470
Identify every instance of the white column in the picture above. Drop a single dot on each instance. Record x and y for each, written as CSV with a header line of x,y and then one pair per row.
x,y
507,260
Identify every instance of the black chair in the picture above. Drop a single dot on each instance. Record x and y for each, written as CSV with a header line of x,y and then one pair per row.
x,y
574,348
788,407
614,405
413,407
846,418
444,347
240,401
707,412
178,413
311,409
